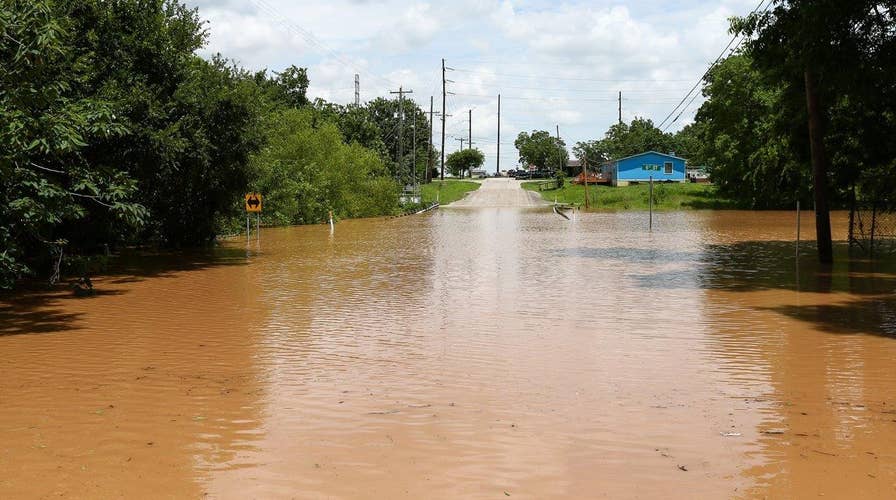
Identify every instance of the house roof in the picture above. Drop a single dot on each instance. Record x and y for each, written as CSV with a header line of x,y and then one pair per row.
x,y
650,152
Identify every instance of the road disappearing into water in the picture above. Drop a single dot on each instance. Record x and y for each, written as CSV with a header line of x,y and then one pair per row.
x,y
500,193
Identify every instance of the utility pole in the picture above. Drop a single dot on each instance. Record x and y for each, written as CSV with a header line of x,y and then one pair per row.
x,y
414,154
498,162
443,120
585,179
620,107
428,175
461,139
401,92
357,90
559,151
470,132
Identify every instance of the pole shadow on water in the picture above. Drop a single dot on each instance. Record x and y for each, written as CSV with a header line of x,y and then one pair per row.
x,y
38,309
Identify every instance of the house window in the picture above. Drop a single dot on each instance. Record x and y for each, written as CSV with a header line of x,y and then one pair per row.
x,y
667,168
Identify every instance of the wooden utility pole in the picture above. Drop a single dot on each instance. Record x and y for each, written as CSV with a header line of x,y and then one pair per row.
x,y
470,131
498,162
819,169
414,154
429,158
559,151
401,92
585,178
443,120
620,107
461,139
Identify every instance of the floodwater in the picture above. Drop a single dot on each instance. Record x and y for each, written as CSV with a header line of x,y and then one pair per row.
x,y
462,354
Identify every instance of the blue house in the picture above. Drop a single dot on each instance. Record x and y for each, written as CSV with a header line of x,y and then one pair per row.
x,y
641,167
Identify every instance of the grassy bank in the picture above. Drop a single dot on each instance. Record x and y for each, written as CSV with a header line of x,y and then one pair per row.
x,y
665,196
447,191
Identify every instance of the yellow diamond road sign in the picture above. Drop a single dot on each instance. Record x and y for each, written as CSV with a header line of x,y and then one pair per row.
x,y
253,202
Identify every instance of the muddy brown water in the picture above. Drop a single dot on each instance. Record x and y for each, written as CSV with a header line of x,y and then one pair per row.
x,y
462,354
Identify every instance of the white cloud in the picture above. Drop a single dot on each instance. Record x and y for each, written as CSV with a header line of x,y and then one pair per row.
x,y
553,63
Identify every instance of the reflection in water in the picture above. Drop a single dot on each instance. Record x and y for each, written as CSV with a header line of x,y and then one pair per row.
x,y
464,353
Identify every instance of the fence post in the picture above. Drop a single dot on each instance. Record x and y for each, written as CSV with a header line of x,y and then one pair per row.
x,y
873,227
651,203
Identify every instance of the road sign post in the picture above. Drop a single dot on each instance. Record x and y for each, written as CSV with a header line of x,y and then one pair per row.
x,y
253,204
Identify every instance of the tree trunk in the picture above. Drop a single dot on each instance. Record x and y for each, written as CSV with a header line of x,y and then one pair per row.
x,y
819,170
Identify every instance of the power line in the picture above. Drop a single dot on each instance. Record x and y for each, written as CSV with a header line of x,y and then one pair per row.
x,y
554,89
711,66
571,98
309,37
529,63
571,79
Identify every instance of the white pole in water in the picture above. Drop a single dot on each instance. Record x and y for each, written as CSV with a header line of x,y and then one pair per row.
x,y
651,203
247,228
258,227
332,227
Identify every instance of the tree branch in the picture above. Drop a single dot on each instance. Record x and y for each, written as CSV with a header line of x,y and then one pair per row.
x,y
35,165
94,198
13,39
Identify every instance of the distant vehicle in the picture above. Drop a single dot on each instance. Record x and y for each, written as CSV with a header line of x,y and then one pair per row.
x,y
698,175
478,173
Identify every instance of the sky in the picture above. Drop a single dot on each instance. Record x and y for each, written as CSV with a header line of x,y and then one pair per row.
x,y
554,63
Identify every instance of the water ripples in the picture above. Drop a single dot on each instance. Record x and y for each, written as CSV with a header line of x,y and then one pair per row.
x,y
466,353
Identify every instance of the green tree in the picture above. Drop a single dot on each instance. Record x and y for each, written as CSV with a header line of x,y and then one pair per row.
x,y
384,113
191,123
828,56
306,169
288,88
463,161
593,152
51,190
688,143
641,135
738,130
542,150
293,84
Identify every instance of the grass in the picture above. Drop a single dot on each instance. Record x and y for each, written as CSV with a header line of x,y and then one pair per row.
x,y
665,196
447,191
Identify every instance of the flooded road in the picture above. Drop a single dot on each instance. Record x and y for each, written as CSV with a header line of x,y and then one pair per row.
x,y
462,354
494,193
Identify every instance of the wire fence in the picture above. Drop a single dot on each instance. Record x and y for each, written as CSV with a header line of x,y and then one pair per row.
x,y
872,229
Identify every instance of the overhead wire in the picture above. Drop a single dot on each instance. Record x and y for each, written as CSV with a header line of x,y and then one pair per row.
x,y
313,40
706,73
571,79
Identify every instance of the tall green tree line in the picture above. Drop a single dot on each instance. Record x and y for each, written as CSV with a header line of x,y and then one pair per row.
x,y
805,110
114,132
